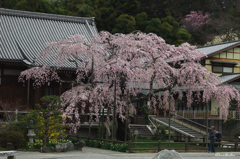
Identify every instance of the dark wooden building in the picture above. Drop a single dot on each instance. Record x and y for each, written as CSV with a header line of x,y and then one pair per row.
x,y
23,35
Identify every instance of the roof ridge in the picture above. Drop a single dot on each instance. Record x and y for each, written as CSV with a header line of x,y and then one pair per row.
x,y
229,74
219,43
38,15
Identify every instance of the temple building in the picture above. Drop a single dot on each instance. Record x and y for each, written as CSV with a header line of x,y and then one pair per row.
x,y
23,36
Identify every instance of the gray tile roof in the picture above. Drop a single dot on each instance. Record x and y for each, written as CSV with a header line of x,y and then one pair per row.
x,y
210,49
23,35
236,85
226,78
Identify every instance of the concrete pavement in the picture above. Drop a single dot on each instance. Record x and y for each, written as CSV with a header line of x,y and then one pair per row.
x,y
94,153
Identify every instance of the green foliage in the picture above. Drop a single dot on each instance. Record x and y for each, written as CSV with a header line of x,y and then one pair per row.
x,y
14,137
73,139
39,143
115,16
85,11
105,145
161,138
10,3
141,21
230,120
124,24
168,29
145,111
237,132
104,129
47,119
154,26
161,129
18,127
2,149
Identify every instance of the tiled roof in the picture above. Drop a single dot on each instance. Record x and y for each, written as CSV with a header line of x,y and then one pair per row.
x,y
236,85
226,78
23,35
210,49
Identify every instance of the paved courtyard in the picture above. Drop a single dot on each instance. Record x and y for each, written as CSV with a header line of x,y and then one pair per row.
x,y
92,153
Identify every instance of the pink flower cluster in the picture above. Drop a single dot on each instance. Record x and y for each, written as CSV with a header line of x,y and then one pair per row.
x,y
195,20
136,62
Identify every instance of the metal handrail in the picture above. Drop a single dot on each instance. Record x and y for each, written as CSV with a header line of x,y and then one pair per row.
x,y
152,123
192,121
176,129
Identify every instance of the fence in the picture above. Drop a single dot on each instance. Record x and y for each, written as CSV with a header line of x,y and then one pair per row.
x,y
15,113
201,114
159,144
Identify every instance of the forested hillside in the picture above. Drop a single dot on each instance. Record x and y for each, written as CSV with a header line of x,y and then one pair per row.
x,y
171,19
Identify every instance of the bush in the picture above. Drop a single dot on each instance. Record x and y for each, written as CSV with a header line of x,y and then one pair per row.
x,y
19,127
14,137
104,129
107,146
145,111
73,139
162,138
161,129
237,133
121,147
87,142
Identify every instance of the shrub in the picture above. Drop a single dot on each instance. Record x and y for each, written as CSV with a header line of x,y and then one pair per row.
x,y
96,144
237,133
121,147
104,129
106,146
14,137
19,127
73,139
161,129
145,111
47,121
87,142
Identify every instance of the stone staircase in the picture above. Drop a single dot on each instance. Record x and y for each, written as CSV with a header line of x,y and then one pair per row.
x,y
143,130
176,126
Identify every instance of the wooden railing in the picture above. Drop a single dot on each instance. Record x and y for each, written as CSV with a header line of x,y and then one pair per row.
x,y
201,114
202,145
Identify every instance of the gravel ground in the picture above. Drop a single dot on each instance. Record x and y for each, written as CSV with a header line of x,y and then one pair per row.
x,y
94,153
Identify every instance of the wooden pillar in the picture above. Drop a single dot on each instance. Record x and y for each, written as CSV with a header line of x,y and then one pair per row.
x,y
28,93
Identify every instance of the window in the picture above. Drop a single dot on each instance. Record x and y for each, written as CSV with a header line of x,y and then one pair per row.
x,y
221,69
48,92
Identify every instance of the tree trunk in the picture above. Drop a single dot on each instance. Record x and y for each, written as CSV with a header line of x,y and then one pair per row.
x,y
44,142
99,119
169,126
89,128
126,126
107,134
207,123
114,113
102,122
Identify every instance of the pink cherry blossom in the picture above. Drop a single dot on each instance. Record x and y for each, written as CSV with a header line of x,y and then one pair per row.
x,y
136,62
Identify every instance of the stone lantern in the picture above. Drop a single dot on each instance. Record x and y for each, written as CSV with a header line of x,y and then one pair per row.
x,y
31,133
135,135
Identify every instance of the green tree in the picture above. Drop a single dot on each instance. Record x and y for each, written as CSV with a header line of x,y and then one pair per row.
x,y
47,119
124,24
168,29
10,3
34,6
141,21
